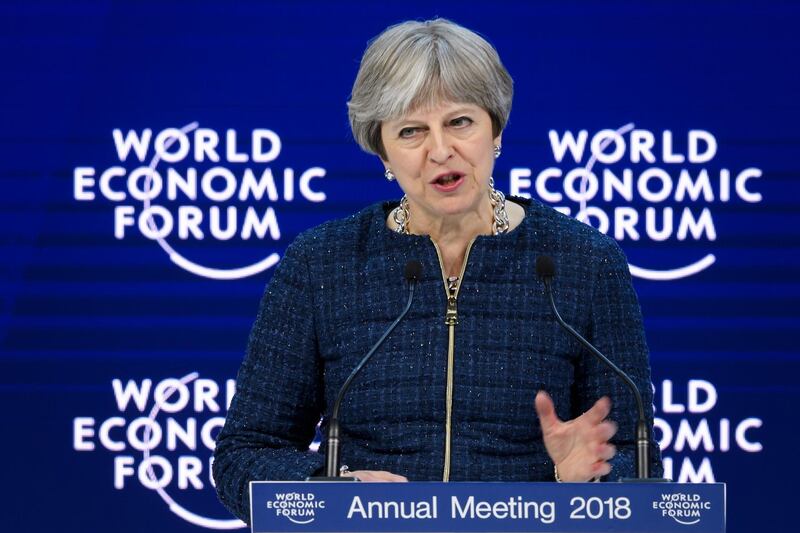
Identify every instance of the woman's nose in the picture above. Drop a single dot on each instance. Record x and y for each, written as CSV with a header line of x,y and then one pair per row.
x,y
440,149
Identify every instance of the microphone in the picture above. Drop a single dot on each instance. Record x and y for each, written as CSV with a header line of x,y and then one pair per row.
x,y
546,271
412,273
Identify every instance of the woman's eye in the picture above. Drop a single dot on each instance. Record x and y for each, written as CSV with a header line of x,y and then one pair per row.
x,y
408,132
461,122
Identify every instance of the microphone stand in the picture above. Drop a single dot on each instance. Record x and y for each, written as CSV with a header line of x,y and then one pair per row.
x,y
412,272
547,272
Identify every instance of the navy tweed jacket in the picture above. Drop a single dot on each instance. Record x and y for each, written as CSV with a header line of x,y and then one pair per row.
x,y
341,284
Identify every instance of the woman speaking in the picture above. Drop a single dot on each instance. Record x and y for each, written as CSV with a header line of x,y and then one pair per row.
x,y
478,381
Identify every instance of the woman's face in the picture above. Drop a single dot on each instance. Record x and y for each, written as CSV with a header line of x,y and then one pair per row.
x,y
442,158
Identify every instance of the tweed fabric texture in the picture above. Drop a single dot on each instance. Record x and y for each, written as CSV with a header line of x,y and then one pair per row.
x,y
341,284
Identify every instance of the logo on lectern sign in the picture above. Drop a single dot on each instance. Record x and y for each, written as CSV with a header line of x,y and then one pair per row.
x,y
638,185
297,507
684,507
179,187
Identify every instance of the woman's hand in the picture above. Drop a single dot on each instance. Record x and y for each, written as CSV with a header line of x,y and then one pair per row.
x,y
579,447
375,475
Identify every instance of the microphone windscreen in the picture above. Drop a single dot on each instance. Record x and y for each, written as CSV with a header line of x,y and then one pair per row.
x,y
413,270
545,267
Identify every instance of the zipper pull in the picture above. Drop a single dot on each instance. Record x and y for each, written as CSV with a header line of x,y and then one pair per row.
x,y
451,317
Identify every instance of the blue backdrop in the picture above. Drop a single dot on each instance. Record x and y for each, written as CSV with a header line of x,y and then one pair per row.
x,y
128,289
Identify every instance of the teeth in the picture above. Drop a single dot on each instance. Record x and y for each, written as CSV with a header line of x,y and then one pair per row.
x,y
444,180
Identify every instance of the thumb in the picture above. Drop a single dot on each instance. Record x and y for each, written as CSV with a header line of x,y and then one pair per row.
x,y
546,410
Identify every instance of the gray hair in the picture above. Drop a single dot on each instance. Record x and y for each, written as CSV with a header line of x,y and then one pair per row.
x,y
417,64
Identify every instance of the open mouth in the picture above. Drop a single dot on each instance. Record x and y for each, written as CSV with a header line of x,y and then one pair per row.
x,y
446,180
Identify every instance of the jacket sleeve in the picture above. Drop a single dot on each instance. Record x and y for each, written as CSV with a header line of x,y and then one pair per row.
x,y
616,330
278,402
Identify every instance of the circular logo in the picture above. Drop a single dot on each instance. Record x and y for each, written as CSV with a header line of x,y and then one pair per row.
x,y
194,184
642,186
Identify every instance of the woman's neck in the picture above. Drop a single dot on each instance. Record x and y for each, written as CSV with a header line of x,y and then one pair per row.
x,y
451,230
453,234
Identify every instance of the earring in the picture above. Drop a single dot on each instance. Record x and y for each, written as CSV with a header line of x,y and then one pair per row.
x,y
389,175
497,150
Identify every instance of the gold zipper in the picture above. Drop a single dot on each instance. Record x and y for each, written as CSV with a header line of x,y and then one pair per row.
x,y
451,320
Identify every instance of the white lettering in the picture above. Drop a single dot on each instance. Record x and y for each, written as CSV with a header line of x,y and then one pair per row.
x,y
261,135
698,227
105,434
81,180
138,392
519,183
82,429
741,182
568,142
123,217
695,138
305,184
132,140
123,467
189,469
701,435
168,138
741,437
696,387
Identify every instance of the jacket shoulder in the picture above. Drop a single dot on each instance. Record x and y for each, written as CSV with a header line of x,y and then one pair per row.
x,y
342,231
560,232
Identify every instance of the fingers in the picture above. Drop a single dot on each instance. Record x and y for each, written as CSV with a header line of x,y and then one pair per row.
x,y
600,469
599,411
394,478
603,451
546,410
592,425
598,442
379,476
606,451
606,430
591,450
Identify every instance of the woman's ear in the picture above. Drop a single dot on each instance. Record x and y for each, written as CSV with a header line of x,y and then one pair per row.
x,y
387,171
